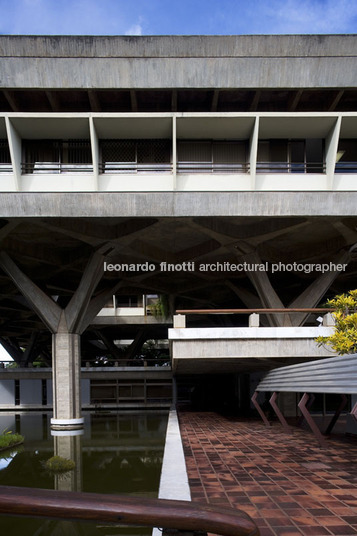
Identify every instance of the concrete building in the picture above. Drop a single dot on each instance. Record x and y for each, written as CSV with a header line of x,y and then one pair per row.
x,y
218,172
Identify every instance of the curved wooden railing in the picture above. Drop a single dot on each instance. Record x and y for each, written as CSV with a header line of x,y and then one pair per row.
x,y
169,514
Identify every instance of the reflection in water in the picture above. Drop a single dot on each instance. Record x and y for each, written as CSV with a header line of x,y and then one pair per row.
x,y
116,453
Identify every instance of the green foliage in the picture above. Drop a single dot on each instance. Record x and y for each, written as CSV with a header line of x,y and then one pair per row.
x,y
161,307
344,339
8,439
57,464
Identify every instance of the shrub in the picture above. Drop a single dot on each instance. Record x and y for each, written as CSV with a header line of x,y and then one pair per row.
x,y
9,439
57,464
344,339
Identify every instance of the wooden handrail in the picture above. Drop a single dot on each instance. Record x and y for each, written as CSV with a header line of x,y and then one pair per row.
x,y
119,509
250,311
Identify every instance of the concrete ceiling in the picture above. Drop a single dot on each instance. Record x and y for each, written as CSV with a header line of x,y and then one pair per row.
x,y
53,252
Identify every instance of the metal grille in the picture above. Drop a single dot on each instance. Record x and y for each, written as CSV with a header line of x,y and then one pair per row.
x,y
79,152
56,156
5,159
132,156
118,151
212,156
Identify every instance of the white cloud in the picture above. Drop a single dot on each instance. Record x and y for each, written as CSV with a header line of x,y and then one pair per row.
x,y
311,16
135,29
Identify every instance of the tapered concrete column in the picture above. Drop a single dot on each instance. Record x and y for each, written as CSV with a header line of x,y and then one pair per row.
x,y
66,365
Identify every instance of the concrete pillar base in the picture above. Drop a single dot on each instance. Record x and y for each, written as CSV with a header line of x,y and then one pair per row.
x,y
67,424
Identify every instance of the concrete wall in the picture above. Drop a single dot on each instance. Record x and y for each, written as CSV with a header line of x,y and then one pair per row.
x,y
7,393
178,62
31,393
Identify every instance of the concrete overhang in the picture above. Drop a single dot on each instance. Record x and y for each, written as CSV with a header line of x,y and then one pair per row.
x,y
85,62
35,127
129,126
223,127
222,350
303,126
177,204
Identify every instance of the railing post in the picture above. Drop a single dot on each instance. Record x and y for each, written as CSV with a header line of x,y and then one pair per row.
x,y
254,320
179,321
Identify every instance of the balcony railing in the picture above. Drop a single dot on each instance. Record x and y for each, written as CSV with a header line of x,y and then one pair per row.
x,y
54,167
134,167
5,168
289,167
212,167
346,167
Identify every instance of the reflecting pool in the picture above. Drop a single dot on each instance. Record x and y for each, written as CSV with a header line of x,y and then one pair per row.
x,y
119,453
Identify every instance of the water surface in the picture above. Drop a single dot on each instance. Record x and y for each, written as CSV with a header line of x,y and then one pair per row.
x,y
119,453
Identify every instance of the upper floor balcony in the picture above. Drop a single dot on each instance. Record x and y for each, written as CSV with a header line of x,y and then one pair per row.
x,y
178,152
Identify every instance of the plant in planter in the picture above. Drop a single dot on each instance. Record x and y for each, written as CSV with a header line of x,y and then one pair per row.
x,y
344,339
9,439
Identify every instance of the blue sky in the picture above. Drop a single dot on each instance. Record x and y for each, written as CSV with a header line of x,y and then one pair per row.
x,y
176,17
158,17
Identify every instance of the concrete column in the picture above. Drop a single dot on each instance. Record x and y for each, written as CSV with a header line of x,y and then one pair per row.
x,y
253,151
95,153
331,152
15,152
174,153
66,326
68,446
66,371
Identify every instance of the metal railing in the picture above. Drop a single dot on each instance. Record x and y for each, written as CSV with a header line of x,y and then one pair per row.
x,y
134,167
290,167
5,168
124,510
346,167
54,167
212,167
251,311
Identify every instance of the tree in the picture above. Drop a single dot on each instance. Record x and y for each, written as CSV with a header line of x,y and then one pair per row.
x,y
344,339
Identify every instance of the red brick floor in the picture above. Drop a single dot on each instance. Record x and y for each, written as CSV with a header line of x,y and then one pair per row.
x,y
285,482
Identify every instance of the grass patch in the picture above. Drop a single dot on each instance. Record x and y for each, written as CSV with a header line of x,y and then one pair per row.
x,y
57,464
10,439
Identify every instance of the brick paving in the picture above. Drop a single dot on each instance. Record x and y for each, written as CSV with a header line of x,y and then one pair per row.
x,y
285,482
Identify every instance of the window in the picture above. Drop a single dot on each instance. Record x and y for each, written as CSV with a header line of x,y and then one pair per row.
x,y
133,156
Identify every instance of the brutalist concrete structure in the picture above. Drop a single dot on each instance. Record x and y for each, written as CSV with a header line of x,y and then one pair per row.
x,y
153,150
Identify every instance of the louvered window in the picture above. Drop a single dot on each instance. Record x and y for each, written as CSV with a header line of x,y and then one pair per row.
x,y
291,156
204,156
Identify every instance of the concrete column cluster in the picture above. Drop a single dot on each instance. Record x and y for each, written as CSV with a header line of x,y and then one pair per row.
x,y
66,325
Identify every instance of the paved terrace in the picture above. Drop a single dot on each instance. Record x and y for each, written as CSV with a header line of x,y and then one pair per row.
x,y
287,483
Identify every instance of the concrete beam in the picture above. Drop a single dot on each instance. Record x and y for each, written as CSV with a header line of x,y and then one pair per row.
x,y
312,296
266,292
77,307
43,305
178,204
